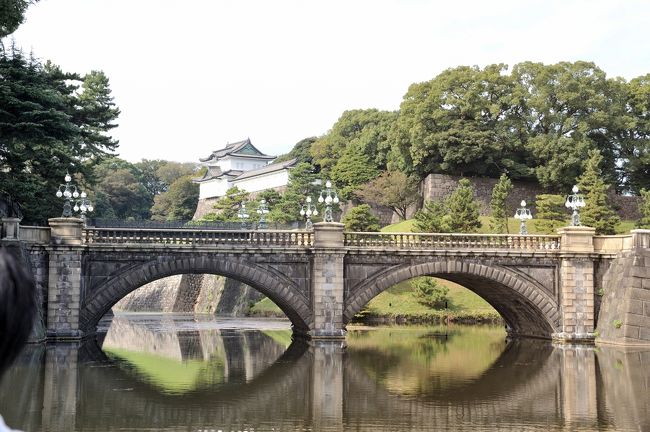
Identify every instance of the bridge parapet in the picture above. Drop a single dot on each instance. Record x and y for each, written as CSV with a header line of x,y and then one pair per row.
x,y
451,241
193,237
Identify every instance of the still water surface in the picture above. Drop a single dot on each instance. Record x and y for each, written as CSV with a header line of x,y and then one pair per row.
x,y
197,373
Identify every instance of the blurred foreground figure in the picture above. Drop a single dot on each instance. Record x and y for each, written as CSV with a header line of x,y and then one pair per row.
x,y
17,309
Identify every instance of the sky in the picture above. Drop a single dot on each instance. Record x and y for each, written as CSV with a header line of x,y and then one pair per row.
x,y
191,76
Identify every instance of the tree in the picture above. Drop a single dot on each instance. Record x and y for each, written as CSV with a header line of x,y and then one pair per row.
x,y
227,207
430,293
566,110
392,189
500,213
597,212
12,15
644,209
463,215
361,219
302,183
178,202
551,213
352,170
47,130
431,218
365,130
301,151
118,186
460,122
634,135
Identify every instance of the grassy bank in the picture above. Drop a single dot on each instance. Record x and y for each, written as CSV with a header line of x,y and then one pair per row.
x,y
398,303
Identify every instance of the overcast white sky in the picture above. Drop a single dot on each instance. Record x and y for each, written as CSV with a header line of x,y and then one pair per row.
x,y
193,75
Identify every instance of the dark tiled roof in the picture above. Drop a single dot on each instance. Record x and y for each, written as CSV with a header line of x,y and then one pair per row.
x,y
215,172
249,150
267,169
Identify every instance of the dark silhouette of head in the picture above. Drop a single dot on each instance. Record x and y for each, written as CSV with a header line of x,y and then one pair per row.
x,y
17,308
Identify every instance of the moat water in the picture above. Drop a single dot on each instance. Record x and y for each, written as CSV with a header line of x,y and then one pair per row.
x,y
198,373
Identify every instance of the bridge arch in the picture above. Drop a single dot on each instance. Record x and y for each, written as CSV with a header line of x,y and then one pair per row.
x,y
279,288
523,303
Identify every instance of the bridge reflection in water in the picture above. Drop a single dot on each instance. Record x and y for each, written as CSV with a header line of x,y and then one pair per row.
x,y
184,374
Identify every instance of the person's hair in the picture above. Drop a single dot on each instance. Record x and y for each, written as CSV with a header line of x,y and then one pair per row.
x,y
17,308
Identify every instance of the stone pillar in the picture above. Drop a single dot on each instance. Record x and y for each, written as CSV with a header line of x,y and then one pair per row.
x,y
576,285
327,385
64,283
327,283
10,229
640,238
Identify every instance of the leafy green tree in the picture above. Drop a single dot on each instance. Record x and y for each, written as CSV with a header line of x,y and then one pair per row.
x,y
431,218
148,175
566,110
460,122
500,213
12,15
178,202
463,215
365,130
597,212
126,197
644,209
634,135
46,130
228,206
430,293
301,151
551,213
361,219
392,189
352,170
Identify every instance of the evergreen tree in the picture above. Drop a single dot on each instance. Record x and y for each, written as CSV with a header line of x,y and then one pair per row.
x,y
596,213
430,218
500,214
352,170
429,292
178,202
302,183
551,213
644,209
463,215
228,206
361,219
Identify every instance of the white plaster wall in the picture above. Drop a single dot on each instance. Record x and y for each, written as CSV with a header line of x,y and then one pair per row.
x,y
240,163
213,188
260,183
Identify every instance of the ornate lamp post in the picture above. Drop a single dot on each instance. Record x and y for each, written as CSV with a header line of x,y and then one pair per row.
x,y
262,210
84,205
68,191
575,201
328,196
308,210
242,215
523,214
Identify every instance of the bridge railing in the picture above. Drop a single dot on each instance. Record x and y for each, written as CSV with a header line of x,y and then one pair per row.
x,y
194,237
451,241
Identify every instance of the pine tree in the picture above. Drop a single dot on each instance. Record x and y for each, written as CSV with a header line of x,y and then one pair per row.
x,y
228,206
463,215
499,222
431,218
644,209
551,213
361,219
596,213
429,292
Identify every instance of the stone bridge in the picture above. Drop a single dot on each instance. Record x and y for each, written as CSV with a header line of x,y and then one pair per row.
x,y
572,286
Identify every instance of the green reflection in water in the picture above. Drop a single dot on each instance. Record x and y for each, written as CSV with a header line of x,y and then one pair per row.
x,y
169,375
282,337
418,360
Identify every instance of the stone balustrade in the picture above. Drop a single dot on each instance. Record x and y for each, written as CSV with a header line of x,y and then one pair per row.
x,y
451,241
34,234
195,237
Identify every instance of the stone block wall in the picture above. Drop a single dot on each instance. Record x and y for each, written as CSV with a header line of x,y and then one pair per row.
x,y
625,309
